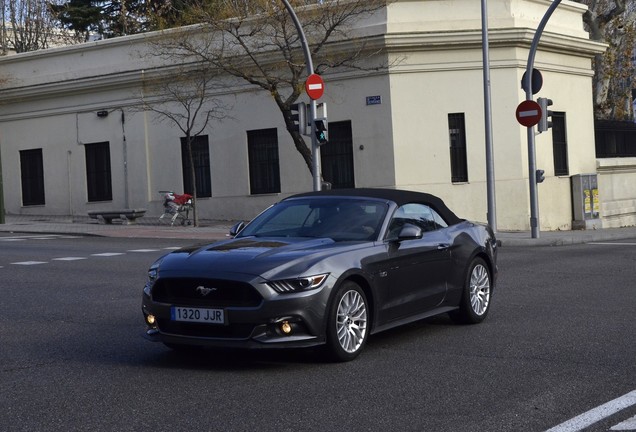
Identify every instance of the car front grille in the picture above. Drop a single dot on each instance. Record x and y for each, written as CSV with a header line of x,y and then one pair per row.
x,y
205,292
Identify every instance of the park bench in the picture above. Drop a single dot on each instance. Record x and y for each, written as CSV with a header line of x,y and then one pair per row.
x,y
127,216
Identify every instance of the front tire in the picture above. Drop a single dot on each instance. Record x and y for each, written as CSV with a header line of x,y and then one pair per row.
x,y
347,322
475,302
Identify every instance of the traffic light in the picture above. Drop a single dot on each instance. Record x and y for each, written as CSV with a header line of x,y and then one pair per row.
x,y
546,115
540,175
322,131
299,116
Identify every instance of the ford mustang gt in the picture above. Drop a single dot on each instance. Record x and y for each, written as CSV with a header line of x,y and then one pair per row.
x,y
324,268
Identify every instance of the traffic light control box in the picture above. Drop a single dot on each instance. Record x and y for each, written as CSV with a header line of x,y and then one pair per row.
x,y
586,213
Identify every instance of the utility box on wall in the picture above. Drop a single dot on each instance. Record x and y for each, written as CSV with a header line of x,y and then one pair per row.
x,y
585,202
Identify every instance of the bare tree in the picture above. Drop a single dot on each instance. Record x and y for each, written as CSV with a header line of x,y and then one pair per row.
x,y
612,22
30,25
256,42
185,97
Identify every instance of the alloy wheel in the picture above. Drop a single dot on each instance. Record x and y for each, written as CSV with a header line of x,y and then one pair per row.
x,y
351,321
479,289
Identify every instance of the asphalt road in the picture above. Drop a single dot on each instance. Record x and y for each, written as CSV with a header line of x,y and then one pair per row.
x,y
559,342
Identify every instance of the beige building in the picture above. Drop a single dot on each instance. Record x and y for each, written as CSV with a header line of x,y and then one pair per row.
x,y
71,143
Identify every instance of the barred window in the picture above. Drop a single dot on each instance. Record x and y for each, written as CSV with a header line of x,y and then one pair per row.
x,y
201,160
337,156
98,174
32,177
262,148
560,144
457,137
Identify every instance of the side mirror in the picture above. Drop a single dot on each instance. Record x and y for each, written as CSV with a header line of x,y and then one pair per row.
x,y
237,228
410,232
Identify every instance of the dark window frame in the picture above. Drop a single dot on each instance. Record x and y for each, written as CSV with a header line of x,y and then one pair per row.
x,y
457,146
32,177
615,138
202,171
99,185
560,144
263,159
337,156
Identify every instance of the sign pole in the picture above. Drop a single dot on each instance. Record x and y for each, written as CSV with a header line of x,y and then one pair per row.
x,y
532,157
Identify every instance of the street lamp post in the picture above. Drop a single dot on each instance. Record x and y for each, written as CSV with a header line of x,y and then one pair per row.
x,y
315,149
490,163
1,192
532,158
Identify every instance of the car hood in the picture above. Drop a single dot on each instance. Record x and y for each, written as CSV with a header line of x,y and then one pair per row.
x,y
255,256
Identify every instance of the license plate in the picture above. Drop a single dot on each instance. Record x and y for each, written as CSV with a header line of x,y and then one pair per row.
x,y
199,315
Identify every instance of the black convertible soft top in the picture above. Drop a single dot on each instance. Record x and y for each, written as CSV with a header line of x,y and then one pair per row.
x,y
398,196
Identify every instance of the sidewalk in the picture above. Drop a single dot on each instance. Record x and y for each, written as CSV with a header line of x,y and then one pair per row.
x,y
151,227
146,227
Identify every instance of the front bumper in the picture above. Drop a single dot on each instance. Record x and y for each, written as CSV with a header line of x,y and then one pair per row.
x,y
302,314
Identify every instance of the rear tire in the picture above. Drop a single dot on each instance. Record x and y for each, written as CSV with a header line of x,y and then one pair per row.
x,y
347,322
475,302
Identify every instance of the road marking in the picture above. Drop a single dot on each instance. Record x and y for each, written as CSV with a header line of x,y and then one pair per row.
x,y
627,425
69,258
35,237
612,244
72,258
597,414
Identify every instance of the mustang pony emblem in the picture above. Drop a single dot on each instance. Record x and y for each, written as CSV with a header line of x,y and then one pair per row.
x,y
204,290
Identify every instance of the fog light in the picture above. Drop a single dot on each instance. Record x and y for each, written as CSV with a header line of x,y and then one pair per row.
x,y
285,327
150,319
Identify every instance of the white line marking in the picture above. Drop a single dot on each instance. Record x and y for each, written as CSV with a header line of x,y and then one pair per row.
x,y
69,258
612,244
29,262
173,248
108,254
144,250
628,425
30,237
37,237
597,414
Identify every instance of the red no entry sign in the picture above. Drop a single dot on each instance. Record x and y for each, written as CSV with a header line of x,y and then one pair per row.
x,y
528,113
315,86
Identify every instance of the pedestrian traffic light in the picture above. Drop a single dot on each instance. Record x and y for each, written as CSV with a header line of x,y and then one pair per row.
x,y
322,131
299,117
540,175
545,122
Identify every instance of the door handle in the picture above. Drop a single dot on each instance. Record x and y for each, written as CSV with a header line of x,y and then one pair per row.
x,y
443,246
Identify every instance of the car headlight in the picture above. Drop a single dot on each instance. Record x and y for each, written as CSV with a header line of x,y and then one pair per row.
x,y
286,286
152,278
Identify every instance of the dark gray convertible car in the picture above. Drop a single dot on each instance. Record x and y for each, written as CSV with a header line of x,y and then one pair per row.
x,y
324,268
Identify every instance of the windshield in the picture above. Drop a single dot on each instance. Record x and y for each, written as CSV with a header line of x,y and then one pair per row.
x,y
340,219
